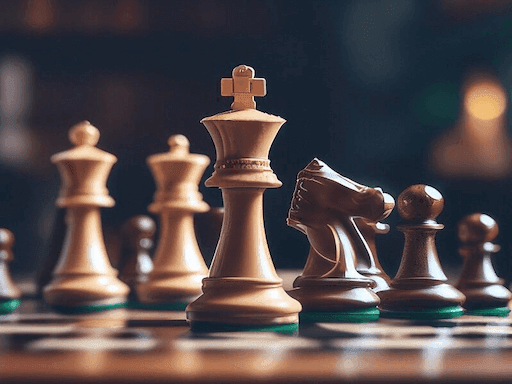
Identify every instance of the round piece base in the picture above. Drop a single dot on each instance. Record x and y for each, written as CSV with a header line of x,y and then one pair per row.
x,y
427,314
8,306
177,306
204,326
88,308
496,312
365,315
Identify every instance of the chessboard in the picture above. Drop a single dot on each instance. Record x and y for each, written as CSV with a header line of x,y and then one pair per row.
x,y
138,346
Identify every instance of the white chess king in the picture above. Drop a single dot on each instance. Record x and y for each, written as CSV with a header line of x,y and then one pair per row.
x,y
243,290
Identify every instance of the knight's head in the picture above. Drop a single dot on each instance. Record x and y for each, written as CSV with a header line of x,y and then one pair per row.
x,y
321,193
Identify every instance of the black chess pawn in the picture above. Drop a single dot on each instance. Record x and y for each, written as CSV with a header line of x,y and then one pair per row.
x,y
54,248
368,263
207,226
484,290
9,293
135,262
419,289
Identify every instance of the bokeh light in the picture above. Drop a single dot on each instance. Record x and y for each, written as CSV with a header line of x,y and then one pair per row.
x,y
39,14
485,99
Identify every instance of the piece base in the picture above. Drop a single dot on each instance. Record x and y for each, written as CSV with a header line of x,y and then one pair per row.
x,y
365,315
178,306
8,306
427,314
88,308
203,327
496,311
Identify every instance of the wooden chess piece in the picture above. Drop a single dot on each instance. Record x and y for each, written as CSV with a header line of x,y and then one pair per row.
x,y
323,207
9,293
83,279
419,289
179,266
243,290
53,250
368,263
484,290
208,226
135,263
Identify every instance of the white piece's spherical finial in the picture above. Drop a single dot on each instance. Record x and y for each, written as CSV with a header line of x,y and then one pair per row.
x,y
178,144
84,133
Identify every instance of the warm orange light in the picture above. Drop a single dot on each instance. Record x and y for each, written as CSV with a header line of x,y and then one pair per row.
x,y
485,100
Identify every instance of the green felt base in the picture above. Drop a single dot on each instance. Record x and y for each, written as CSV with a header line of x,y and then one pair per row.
x,y
497,311
203,326
365,315
88,308
157,307
8,306
427,314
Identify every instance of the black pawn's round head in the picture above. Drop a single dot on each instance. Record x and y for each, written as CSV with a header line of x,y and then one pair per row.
x,y
138,232
477,228
420,203
6,243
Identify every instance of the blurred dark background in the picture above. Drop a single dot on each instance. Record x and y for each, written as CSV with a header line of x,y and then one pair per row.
x,y
379,90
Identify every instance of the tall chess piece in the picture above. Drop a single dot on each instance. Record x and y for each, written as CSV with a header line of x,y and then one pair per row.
x,y
179,266
419,289
135,263
484,290
243,290
368,263
83,279
9,293
323,207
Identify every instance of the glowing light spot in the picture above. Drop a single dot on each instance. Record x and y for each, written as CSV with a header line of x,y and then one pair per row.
x,y
129,14
14,143
485,100
39,14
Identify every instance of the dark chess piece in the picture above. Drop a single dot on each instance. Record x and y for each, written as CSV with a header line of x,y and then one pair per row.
x,y
135,262
51,256
368,263
484,290
9,293
323,207
419,289
207,226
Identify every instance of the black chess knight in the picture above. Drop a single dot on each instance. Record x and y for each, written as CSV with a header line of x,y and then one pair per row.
x,y
323,207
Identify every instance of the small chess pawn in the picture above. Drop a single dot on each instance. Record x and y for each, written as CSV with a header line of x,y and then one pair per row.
x,y
135,263
485,294
419,289
9,293
323,207
368,263
179,267
83,279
